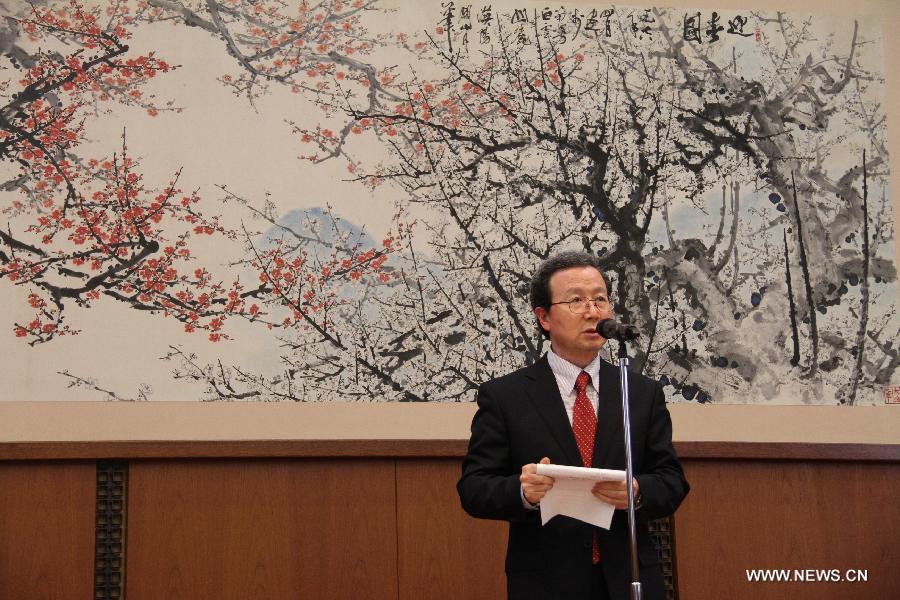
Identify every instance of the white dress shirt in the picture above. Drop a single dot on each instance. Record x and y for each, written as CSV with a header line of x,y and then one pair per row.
x,y
566,373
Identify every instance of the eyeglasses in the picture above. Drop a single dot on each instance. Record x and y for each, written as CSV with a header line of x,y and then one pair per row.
x,y
579,306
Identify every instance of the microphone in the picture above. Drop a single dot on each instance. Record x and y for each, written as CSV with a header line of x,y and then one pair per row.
x,y
613,330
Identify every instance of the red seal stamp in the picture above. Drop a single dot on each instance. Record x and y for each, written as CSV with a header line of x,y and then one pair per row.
x,y
892,394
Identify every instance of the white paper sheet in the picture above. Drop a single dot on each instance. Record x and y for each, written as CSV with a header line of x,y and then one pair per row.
x,y
571,494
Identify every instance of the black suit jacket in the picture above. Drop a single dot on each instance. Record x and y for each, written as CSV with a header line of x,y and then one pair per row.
x,y
520,419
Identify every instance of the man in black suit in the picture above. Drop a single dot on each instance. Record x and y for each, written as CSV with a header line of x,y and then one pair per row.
x,y
527,417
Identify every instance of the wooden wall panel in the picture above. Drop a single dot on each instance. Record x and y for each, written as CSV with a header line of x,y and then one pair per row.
x,y
788,515
392,528
47,530
262,529
444,553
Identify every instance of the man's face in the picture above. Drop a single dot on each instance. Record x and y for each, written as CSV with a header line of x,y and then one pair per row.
x,y
574,336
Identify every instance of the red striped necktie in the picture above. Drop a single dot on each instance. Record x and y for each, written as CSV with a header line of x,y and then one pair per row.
x,y
584,424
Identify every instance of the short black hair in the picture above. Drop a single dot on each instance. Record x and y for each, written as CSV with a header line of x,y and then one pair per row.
x,y
539,294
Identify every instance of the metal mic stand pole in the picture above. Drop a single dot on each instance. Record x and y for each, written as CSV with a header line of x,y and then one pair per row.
x,y
636,592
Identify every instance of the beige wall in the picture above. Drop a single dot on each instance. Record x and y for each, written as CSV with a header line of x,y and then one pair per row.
x,y
59,421
99,421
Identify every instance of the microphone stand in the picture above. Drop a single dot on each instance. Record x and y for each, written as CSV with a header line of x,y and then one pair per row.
x,y
636,592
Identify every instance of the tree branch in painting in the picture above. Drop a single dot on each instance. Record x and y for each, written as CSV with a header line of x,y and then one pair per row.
x,y
726,188
527,149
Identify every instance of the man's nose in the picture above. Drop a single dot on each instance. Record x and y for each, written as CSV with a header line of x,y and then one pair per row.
x,y
594,306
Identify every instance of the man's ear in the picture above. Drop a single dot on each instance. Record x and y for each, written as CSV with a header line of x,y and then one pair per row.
x,y
541,313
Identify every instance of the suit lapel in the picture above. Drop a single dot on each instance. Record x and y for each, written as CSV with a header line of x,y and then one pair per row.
x,y
544,395
608,449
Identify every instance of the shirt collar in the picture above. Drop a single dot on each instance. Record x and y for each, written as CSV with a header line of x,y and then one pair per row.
x,y
566,373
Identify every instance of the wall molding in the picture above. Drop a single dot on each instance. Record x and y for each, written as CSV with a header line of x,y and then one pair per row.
x,y
407,448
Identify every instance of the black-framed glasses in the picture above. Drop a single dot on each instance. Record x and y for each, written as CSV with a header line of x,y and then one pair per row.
x,y
579,306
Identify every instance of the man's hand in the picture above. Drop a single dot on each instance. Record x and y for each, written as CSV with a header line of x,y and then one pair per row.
x,y
534,486
614,492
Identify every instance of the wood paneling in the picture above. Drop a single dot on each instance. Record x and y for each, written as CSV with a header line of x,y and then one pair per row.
x,y
789,451
444,553
262,529
309,448
788,515
306,448
47,531
392,528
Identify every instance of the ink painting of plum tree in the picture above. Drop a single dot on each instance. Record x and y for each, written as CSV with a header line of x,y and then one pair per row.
x,y
295,200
